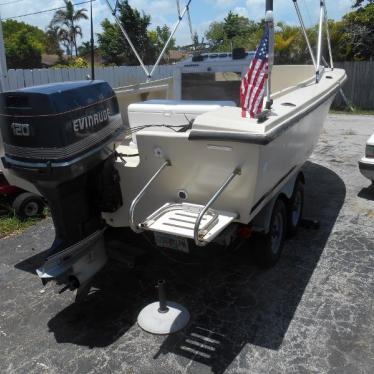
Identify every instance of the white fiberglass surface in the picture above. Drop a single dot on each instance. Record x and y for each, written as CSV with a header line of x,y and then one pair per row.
x,y
169,107
199,167
299,99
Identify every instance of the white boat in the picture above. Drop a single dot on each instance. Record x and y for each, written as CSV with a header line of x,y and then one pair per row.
x,y
195,171
220,144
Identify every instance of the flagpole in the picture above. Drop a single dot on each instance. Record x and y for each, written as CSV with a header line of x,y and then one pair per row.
x,y
269,19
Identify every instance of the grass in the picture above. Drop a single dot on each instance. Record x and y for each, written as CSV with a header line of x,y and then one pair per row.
x,y
356,111
11,224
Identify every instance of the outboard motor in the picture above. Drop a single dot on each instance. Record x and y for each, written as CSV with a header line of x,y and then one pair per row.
x,y
62,138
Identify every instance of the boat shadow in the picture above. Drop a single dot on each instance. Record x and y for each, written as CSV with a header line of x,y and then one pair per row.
x,y
367,193
232,302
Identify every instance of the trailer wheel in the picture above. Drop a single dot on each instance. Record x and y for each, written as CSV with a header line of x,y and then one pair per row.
x,y
28,205
295,209
268,247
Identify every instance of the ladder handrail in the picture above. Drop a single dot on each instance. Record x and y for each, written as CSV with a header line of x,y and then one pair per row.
x,y
216,195
136,200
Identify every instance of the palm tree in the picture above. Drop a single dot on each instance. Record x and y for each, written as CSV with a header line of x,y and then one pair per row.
x,y
65,38
66,19
285,46
53,40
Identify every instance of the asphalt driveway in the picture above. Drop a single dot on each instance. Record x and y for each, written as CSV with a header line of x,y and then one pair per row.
x,y
312,313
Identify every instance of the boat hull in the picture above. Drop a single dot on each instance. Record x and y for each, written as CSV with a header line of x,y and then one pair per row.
x,y
199,167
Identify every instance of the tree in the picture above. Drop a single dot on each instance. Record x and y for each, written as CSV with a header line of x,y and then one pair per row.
x,y
65,39
115,48
285,48
290,45
216,35
112,43
85,49
24,44
359,33
235,25
352,38
11,27
196,41
340,41
158,39
52,41
66,20
23,51
234,31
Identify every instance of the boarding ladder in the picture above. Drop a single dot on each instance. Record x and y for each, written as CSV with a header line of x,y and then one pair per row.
x,y
201,223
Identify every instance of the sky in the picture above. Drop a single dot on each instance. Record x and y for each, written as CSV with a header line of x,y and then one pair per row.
x,y
203,12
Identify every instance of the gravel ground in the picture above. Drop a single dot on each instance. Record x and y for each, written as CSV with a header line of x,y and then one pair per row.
x,y
312,313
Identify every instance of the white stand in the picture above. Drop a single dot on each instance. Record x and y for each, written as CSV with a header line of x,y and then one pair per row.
x,y
152,320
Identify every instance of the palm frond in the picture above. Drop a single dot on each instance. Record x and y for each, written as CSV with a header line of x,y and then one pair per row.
x,y
80,14
77,30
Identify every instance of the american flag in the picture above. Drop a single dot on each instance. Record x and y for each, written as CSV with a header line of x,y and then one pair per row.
x,y
252,89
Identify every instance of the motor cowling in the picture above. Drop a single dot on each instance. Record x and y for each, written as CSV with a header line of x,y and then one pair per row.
x,y
62,138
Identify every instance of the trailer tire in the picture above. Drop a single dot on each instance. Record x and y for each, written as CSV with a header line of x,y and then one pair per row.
x,y
295,209
268,247
28,205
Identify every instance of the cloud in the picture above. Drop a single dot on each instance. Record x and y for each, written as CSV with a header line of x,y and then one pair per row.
x,y
241,11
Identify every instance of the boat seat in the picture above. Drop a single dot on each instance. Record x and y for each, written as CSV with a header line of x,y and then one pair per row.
x,y
170,112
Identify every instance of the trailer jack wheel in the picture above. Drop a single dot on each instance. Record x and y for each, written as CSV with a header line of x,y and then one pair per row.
x,y
268,247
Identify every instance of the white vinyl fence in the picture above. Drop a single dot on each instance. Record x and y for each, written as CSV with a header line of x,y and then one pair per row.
x,y
358,89
116,76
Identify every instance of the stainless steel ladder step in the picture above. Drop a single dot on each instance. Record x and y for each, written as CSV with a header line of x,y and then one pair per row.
x,y
180,218
198,222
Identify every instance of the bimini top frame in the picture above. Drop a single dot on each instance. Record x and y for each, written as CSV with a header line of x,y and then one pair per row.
x,y
181,15
323,22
